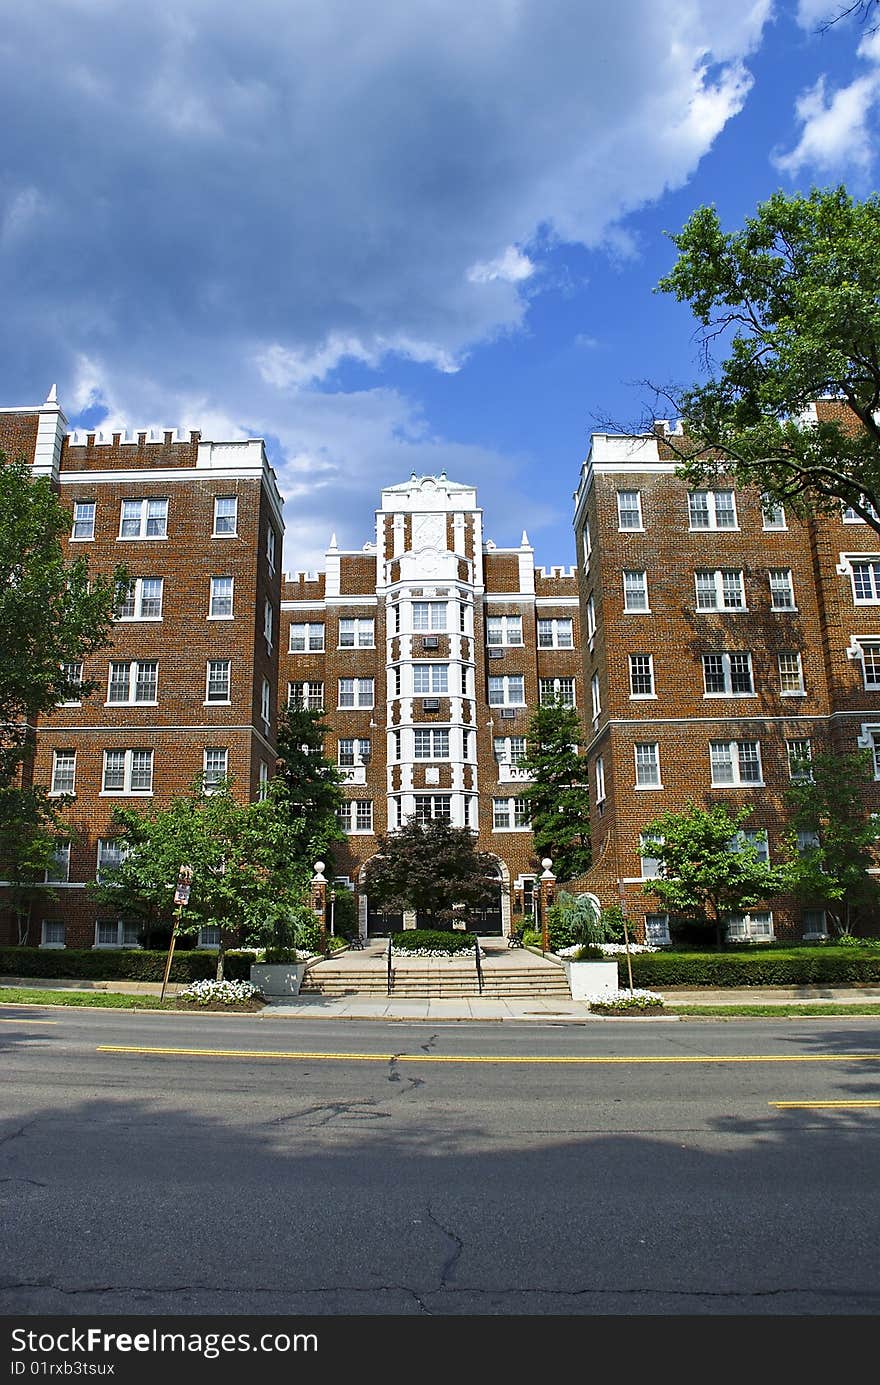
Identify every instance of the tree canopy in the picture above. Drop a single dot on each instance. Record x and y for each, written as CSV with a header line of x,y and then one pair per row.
x,y
52,613
558,797
32,826
794,299
430,867
839,834
312,784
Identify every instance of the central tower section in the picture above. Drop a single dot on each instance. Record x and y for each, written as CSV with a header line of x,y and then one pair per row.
x,y
429,584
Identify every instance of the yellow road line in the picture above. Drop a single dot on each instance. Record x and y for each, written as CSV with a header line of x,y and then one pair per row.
x,y
810,1105
4,1019
479,1058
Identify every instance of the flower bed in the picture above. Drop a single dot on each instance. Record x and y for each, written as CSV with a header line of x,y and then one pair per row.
x,y
627,1003
221,995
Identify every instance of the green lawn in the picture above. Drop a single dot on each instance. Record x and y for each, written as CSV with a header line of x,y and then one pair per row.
x,y
105,1000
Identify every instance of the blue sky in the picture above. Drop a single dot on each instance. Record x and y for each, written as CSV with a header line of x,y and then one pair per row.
x,y
393,237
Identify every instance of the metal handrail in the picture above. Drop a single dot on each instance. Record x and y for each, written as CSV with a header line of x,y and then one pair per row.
x,y
390,974
479,966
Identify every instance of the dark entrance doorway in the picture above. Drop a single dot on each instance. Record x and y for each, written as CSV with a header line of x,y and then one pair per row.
x,y
380,923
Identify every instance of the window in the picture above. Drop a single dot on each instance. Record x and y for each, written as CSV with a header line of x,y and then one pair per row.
x,y
465,745
507,691
431,615
815,924
306,638
72,673
735,762
83,519
355,692
851,517
647,755
720,589
641,675
52,934
433,807
464,680
555,633
807,840
356,633
395,745
799,754
748,927
142,600
58,873
430,744
208,935
869,654
503,630
510,814
63,772
130,683
635,589
270,550
112,851
629,510
266,702
220,602
268,623
310,695
657,930
263,790
591,618
712,510
600,779
356,815
791,674
781,589
595,696
430,678
116,933
397,679
755,837
651,868
214,767
727,675
587,541
217,685
556,690
127,772
866,582
225,516
509,750
352,751
462,617
144,519
772,513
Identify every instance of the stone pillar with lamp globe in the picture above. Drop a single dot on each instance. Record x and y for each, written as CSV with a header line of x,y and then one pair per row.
x,y
319,902
546,894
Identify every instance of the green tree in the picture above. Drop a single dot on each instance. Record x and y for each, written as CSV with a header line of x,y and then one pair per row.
x,y
558,797
708,869
793,298
31,827
52,613
312,783
833,805
430,867
251,865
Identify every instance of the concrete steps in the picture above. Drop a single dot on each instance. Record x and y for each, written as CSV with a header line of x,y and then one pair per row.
x,y
435,981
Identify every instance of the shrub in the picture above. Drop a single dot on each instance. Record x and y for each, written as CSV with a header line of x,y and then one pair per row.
x,y
802,966
434,941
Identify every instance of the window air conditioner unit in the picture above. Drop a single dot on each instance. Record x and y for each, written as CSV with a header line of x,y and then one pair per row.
x,y
431,704
508,713
431,642
496,653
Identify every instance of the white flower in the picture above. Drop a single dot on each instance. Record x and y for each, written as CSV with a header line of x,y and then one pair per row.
x,y
226,992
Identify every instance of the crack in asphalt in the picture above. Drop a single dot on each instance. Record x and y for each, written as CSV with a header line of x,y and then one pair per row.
x,y
33,1182
16,1134
331,1110
448,1270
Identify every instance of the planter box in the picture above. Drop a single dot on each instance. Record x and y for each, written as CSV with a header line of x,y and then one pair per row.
x,y
278,978
590,978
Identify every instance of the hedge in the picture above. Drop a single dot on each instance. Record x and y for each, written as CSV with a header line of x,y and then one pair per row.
x,y
130,964
437,939
820,966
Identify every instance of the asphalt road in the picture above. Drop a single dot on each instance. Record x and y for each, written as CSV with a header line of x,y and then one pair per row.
x,y
603,1169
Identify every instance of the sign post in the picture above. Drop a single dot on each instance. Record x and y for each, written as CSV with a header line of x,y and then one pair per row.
x,y
181,899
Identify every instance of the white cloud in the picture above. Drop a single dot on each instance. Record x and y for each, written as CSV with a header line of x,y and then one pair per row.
x,y
837,128
511,266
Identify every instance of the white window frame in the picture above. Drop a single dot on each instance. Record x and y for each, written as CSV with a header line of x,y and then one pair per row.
x,y
712,511
361,688
72,677
502,748
311,697
736,761
122,927
126,791
134,674
434,736
210,784
102,854
646,870
657,930
753,836
652,692
224,532
266,702
871,561
626,510
850,516
69,756
600,779
362,630
800,690
591,618
77,520
772,513
263,787
643,762
596,697
807,839
779,588
431,799
429,617
632,589
820,928
510,815
268,623
218,701
509,697
271,544
59,872
206,939
511,632
755,925
313,630
861,645
135,598
792,760
720,589
217,598
145,519
557,689
727,673
359,754
555,632
351,811
56,942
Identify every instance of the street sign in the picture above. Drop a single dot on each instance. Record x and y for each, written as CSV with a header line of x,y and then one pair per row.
x,y
181,895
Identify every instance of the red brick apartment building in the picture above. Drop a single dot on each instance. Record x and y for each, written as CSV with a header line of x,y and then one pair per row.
x,y
428,649
725,642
